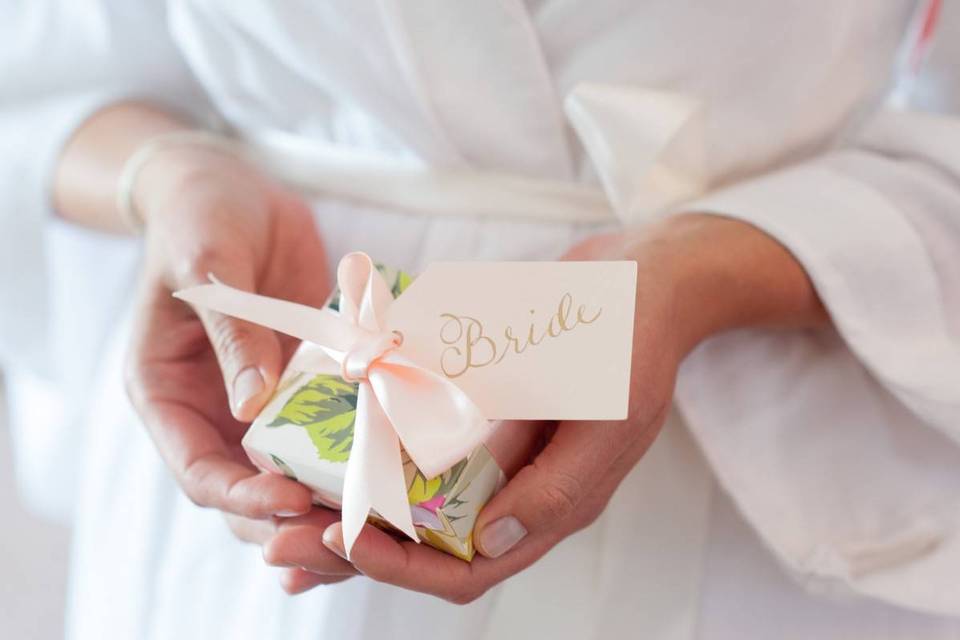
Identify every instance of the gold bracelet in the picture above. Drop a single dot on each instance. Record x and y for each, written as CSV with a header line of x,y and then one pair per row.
x,y
134,165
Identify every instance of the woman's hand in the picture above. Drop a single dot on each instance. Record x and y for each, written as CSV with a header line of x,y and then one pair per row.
x,y
298,537
567,485
697,275
197,378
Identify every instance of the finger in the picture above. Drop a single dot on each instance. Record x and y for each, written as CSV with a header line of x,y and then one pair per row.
x,y
545,496
209,475
296,581
381,557
514,443
249,530
210,472
299,543
250,356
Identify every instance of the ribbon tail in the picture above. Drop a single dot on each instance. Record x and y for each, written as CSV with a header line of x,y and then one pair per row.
x,y
321,327
436,421
310,358
374,477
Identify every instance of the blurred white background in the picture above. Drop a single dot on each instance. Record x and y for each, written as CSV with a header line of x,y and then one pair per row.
x,y
33,560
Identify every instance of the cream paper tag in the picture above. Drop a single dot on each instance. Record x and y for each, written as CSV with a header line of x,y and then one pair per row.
x,y
525,340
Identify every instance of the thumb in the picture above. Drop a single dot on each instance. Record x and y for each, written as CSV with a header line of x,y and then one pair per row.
x,y
545,498
249,355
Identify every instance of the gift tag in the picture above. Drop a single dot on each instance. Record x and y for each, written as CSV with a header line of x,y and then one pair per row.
x,y
525,340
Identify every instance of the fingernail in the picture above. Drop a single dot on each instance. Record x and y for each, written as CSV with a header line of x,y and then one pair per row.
x,y
288,513
501,535
247,385
333,541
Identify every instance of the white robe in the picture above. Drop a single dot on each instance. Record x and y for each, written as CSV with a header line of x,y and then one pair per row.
x,y
825,501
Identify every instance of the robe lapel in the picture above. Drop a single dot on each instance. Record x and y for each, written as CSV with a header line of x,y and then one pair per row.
x,y
479,74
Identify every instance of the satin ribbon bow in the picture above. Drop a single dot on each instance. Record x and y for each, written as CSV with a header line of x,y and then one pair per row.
x,y
399,401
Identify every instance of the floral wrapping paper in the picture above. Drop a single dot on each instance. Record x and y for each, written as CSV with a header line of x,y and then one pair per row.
x,y
306,430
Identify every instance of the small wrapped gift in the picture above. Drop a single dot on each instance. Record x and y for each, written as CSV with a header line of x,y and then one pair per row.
x,y
387,409
306,432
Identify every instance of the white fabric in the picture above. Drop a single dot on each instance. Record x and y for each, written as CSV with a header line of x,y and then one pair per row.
x,y
335,170
837,449
888,398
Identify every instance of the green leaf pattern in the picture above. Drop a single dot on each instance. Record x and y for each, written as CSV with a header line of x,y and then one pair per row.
x,y
326,407
283,466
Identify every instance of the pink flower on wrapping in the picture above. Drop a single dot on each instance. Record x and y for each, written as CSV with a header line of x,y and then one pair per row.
x,y
425,513
433,504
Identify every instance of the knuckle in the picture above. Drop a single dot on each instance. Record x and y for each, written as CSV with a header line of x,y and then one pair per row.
x,y
585,517
230,339
237,527
193,486
194,495
378,574
464,595
272,554
560,493
649,415
289,586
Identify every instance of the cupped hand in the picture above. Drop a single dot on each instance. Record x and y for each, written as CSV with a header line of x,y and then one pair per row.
x,y
560,490
698,275
197,377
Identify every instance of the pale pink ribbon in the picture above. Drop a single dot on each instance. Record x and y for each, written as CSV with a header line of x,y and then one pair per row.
x,y
399,401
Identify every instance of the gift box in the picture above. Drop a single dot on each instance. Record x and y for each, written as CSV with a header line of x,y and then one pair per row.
x,y
391,408
306,431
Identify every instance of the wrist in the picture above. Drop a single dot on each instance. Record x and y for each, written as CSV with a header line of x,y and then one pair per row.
x,y
91,163
170,164
725,274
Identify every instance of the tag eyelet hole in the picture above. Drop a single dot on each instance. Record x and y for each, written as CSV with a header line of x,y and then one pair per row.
x,y
398,339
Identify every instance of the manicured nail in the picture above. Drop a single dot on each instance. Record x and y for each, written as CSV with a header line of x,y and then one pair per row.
x,y
501,535
288,513
247,385
333,541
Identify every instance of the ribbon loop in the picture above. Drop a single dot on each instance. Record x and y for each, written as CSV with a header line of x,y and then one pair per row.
x,y
364,295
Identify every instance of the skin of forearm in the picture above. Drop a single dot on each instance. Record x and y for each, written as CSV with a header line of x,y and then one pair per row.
x,y
87,175
726,274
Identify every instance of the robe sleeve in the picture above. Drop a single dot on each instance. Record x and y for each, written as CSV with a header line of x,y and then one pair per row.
x,y
62,61
842,447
